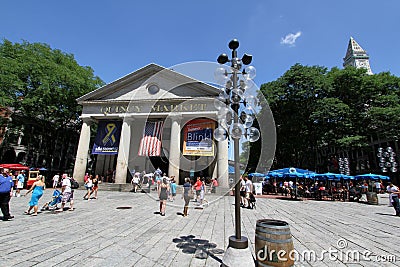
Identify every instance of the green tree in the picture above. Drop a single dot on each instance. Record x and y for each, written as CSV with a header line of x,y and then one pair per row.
x,y
315,110
41,84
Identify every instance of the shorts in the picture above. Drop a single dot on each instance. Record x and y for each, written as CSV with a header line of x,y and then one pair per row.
x,y
67,197
20,185
242,193
198,192
173,194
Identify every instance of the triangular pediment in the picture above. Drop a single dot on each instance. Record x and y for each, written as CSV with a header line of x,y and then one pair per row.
x,y
149,83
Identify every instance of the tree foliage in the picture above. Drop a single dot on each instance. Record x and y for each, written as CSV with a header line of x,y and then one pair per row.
x,y
316,109
41,85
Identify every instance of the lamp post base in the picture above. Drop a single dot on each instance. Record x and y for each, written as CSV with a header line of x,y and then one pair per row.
x,y
235,257
241,243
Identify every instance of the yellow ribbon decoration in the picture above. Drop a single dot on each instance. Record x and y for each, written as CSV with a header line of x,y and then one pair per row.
x,y
110,133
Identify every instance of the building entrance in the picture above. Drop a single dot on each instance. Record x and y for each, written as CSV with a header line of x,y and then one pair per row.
x,y
159,162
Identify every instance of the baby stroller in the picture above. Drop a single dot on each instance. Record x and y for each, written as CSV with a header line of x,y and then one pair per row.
x,y
52,205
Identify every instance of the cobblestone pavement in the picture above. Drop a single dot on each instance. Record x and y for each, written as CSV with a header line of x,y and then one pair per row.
x,y
123,229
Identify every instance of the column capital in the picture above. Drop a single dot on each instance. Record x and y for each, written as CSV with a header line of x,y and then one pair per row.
x,y
87,120
175,116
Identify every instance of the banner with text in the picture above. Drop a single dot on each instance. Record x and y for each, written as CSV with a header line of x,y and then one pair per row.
x,y
107,138
198,138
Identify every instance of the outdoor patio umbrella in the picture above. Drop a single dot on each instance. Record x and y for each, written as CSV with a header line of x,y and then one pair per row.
x,y
256,174
328,176
371,176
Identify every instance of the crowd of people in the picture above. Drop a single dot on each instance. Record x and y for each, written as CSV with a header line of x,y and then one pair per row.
x,y
166,188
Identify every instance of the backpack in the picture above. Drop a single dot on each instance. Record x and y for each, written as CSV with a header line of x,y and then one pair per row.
x,y
74,184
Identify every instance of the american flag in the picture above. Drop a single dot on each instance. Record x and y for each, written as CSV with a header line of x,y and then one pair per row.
x,y
150,145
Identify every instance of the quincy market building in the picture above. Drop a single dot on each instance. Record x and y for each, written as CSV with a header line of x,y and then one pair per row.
x,y
152,118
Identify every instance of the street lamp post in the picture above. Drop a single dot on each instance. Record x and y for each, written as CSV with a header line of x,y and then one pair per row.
x,y
236,115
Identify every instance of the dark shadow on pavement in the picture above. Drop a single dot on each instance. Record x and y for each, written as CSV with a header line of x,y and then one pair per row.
x,y
201,248
386,214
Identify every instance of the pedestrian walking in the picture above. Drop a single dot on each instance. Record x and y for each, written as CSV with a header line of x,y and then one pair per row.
x,y
88,185
20,183
37,192
6,192
394,198
202,191
56,178
67,194
197,187
163,195
135,182
173,187
186,195
95,188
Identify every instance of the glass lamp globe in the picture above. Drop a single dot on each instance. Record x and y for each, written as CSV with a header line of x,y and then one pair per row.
x,y
219,102
251,101
223,123
228,84
380,149
250,112
221,75
248,122
254,134
236,130
236,95
250,72
389,149
393,169
246,84
220,134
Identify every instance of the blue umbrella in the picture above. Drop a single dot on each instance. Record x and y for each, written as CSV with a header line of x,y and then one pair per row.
x,y
275,174
371,176
329,176
256,174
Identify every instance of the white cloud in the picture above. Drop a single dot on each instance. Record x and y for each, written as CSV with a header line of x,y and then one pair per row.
x,y
290,39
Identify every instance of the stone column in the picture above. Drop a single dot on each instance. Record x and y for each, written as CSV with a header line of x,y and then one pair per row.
x,y
222,163
175,146
123,152
82,152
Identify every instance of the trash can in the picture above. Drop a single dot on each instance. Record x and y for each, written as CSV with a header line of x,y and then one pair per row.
x,y
274,244
372,198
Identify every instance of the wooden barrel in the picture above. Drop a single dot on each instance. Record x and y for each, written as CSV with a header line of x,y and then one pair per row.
x,y
273,239
372,198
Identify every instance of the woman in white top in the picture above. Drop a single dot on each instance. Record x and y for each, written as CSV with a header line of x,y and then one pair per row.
x,y
88,185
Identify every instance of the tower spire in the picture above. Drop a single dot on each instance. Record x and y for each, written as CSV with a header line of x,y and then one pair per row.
x,y
356,56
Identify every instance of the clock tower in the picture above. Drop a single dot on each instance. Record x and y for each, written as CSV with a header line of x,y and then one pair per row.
x,y
356,56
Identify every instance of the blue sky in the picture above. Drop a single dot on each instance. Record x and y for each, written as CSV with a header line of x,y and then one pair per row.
x,y
118,37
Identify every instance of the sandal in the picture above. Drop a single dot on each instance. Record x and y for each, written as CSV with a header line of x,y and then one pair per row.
x,y
71,209
26,213
34,214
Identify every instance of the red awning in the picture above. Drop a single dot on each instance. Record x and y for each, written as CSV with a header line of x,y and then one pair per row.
x,y
15,167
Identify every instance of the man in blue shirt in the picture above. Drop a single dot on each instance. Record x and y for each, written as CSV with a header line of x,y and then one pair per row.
x,y
6,186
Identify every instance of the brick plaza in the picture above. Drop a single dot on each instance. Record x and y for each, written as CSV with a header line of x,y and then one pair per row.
x,y
122,229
